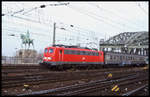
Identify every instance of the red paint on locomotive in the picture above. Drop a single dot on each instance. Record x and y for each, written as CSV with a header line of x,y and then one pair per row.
x,y
72,55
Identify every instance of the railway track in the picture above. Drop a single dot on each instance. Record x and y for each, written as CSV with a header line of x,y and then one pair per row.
x,y
21,69
136,91
30,69
44,77
88,87
51,77
100,87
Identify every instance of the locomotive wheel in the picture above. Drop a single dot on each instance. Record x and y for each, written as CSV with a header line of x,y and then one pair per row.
x,y
60,68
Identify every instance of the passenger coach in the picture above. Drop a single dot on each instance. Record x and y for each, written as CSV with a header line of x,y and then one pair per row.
x,y
122,59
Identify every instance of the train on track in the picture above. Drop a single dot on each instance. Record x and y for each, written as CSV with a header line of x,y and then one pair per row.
x,y
61,55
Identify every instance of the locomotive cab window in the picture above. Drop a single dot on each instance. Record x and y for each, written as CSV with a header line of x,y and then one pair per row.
x,y
78,52
100,53
93,53
97,54
72,52
50,50
65,52
60,51
81,52
46,50
88,53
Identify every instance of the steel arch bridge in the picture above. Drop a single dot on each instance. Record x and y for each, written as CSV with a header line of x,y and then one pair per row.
x,y
127,42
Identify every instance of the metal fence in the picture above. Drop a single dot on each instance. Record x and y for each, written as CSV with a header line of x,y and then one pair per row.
x,y
18,60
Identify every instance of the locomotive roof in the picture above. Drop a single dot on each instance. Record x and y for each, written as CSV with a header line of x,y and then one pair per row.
x,y
80,49
121,53
74,47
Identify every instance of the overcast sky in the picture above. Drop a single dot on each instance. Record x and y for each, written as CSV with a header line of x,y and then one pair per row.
x,y
82,23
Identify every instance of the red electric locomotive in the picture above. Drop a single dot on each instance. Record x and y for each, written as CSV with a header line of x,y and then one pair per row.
x,y
63,55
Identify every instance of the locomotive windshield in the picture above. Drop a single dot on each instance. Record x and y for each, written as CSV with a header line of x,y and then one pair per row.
x,y
46,50
50,50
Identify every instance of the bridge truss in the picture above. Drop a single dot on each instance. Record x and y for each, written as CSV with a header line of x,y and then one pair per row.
x,y
127,42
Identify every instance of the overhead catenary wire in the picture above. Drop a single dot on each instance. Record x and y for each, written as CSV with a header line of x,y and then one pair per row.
x,y
94,17
21,32
114,21
25,11
139,5
43,6
28,19
33,21
16,25
118,15
13,30
81,30
70,31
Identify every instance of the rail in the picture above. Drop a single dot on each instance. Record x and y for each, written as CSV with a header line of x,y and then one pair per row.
x,y
133,91
20,60
79,86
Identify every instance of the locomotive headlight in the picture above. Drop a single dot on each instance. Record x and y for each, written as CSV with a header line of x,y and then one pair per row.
x,y
49,58
45,58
